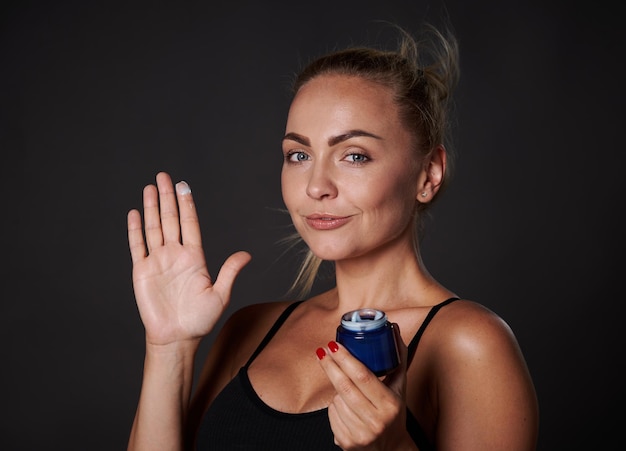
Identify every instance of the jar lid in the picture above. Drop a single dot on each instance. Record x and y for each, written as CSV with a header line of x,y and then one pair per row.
x,y
363,319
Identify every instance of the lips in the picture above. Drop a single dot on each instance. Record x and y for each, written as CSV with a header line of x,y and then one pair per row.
x,y
326,222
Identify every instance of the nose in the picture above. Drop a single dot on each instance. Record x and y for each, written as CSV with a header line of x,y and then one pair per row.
x,y
321,183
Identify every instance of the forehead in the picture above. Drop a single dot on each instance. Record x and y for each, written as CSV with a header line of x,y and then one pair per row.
x,y
345,87
344,98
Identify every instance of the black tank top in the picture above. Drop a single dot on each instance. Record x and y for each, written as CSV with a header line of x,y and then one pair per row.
x,y
239,420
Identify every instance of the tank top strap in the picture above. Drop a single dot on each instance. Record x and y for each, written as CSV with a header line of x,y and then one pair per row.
x,y
279,322
431,314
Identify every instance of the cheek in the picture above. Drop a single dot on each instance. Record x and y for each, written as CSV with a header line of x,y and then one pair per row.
x,y
284,188
393,201
289,189
392,187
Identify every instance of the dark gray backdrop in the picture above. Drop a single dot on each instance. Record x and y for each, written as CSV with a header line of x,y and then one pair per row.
x,y
96,97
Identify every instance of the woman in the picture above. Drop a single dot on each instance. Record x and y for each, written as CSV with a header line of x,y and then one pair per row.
x,y
364,156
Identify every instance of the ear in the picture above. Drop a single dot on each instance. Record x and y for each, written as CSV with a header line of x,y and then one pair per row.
x,y
431,174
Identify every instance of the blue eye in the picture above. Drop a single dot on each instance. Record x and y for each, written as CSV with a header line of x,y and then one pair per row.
x,y
297,156
357,158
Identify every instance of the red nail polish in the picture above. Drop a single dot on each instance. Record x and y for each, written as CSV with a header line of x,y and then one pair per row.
x,y
333,346
320,353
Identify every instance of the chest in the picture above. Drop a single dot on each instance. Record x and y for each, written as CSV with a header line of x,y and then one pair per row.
x,y
287,376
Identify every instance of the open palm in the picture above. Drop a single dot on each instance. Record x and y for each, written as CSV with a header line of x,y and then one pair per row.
x,y
175,294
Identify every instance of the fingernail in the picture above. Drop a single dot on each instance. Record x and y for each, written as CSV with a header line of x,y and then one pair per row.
x,y
333,346
320,353
182,188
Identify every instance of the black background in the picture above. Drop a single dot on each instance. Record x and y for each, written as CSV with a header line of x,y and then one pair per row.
x,y
96,97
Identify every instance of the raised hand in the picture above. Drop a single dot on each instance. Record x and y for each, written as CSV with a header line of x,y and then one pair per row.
x,y
366,413
175,294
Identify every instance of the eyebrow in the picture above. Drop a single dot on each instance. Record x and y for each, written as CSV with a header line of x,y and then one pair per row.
x,y
333,140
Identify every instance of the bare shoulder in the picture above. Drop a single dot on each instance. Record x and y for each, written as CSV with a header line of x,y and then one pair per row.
x,y
483,387
471,329
467,341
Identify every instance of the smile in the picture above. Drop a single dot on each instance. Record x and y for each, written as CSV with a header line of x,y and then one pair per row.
x,y
323,222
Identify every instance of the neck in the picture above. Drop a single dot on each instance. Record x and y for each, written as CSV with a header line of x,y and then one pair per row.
x,y
390,278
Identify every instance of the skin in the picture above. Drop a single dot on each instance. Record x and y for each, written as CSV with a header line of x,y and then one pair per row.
x,y
351,182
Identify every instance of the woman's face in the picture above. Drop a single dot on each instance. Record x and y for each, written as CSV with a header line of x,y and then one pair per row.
x,y
349,177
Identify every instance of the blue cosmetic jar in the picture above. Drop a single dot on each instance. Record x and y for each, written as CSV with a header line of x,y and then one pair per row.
x,y
370,338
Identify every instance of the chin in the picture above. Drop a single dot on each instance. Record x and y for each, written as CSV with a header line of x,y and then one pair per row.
x,y
333,253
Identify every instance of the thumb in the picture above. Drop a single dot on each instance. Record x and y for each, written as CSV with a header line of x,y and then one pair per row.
x,y
229,272
396,380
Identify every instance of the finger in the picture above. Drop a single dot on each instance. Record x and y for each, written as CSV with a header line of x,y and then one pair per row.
x,y
352,380
340,415
169,209
352,415
151,218
342,421
363,403
357,372
135,236
229,272
189,224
